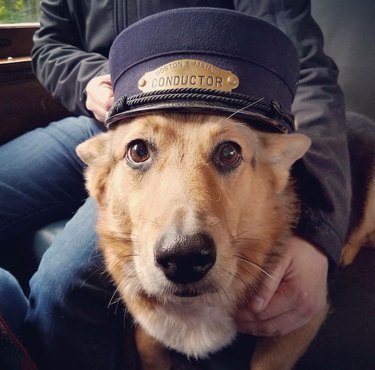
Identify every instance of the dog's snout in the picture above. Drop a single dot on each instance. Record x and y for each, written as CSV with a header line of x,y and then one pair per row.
x,y
185,259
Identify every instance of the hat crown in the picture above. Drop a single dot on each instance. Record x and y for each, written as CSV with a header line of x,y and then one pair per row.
x,y
260,55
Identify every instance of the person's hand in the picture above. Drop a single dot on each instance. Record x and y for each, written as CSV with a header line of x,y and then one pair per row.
x,y
99,96
292,296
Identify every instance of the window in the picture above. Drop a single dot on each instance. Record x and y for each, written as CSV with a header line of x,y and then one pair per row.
x,y
24,104
19,11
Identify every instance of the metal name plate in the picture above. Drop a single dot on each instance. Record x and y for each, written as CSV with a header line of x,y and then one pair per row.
x,y
188,73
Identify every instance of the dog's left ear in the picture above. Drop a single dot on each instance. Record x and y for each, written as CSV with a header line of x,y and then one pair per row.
x,y
280,151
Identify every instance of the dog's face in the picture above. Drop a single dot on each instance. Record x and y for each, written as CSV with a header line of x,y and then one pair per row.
x,y
190,206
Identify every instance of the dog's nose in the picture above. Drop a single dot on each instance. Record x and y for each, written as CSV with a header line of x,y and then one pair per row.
x,y
185,258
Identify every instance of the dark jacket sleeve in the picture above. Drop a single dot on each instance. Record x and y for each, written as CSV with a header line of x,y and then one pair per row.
x,y
323,176
60,60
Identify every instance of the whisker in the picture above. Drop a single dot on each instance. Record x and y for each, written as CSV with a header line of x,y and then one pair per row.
x,y
214,223
155,222
121,236
253,264
115,293
98,270
253,243
250,286
241,109
220,289
254,227
236,276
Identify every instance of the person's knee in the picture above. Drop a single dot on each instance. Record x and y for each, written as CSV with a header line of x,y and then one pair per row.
x,y
79,127
72,267
9,287
7,282
13,303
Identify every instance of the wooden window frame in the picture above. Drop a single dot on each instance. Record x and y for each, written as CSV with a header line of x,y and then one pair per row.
x,y
24,103
16,39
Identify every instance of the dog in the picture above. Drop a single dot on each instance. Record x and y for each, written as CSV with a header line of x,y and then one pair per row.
x,y
193,213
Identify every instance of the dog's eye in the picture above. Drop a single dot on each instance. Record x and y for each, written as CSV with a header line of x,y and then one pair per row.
x,y
138,151
227,155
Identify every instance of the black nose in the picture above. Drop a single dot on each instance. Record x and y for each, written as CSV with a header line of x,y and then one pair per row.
x,y
185,258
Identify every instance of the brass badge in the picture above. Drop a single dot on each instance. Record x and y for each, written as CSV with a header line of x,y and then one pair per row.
x,y
188,73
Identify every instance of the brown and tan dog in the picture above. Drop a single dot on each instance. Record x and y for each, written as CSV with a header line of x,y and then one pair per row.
x,y
193,213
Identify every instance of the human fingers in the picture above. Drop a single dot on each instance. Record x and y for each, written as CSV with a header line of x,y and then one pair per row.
x,y
100,113
283,324
289,309
302,278
302,292
282,301
264,294
268,288
303,300
99,96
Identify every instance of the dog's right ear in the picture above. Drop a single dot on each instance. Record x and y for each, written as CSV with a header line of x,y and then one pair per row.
x,y
94,151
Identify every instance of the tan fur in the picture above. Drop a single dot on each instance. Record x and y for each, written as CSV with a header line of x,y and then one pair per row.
x,y
281,353
248,212
153,355
364,234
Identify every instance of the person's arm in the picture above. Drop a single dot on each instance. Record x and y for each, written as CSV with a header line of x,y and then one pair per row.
x,y
60,57
323,174
298,287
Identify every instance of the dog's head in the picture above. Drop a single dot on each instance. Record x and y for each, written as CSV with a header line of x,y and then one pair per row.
x,y
189,205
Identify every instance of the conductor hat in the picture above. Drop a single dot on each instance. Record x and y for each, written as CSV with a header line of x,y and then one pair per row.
x,y
205,60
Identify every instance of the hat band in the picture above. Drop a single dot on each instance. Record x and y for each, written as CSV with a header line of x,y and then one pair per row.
x,y
237,103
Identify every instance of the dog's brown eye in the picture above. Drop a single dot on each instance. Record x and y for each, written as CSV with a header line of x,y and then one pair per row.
x,y
138,151
229,153
227,156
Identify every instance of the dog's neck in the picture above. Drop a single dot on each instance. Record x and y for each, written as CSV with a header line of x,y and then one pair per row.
x,y
193,326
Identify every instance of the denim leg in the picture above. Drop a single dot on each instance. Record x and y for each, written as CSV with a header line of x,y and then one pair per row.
x,y
13,303
72,322
41,176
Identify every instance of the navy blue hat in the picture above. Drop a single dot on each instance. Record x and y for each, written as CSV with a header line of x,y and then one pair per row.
x,y
205,60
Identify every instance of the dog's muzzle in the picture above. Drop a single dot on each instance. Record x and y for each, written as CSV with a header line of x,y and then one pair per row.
x,y
185,259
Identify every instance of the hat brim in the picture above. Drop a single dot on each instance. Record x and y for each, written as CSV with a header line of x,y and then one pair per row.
x,y
254,118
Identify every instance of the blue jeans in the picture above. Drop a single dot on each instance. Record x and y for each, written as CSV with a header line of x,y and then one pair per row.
x,y
73,321
41,176
70,322
13,303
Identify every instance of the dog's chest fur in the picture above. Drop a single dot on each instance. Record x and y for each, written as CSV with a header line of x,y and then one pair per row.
x,y
190,327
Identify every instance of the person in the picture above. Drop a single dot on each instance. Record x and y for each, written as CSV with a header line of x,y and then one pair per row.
x,y
73,321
